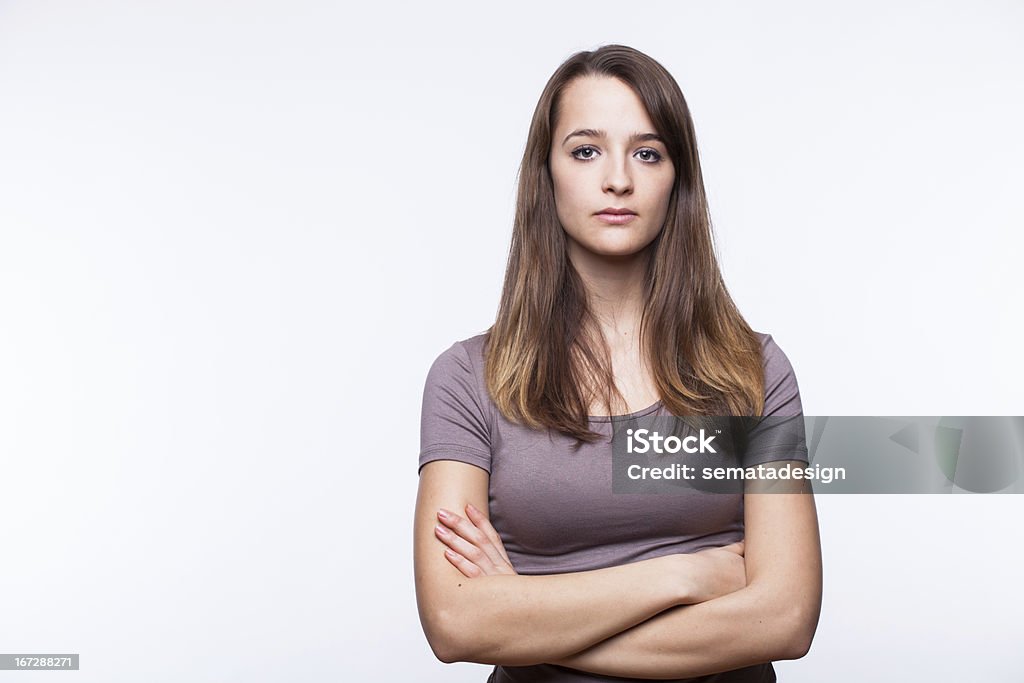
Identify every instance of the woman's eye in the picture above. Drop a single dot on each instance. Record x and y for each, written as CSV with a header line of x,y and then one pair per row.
x,y
584,153
648,155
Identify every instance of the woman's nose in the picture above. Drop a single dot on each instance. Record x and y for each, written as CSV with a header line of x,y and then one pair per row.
x,y
617,178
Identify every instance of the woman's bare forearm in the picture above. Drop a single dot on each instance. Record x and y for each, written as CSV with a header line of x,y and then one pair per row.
x,y
734,631
520,620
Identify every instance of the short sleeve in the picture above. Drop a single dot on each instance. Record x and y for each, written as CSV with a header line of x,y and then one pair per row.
x,y
453,424
780,433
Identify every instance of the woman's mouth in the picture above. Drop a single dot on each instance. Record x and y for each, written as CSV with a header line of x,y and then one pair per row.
x,y
614,216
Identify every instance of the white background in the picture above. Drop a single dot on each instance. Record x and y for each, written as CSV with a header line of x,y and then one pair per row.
x,y
234,235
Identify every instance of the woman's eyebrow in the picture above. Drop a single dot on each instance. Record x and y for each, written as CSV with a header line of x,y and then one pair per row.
x,y
593,133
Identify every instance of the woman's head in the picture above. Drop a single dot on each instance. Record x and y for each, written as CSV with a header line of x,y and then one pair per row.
x,y
600,86
611,173
544,363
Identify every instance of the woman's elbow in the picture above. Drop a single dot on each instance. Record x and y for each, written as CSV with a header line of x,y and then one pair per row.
x,y
799,633
444,639
796,647
444,650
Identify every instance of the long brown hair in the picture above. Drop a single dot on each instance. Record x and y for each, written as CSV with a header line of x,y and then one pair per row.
x,y
542,367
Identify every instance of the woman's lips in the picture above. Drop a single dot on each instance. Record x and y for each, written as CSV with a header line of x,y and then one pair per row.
x,y
616,218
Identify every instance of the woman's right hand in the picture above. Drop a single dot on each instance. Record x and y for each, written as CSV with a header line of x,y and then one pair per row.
x,y
715,572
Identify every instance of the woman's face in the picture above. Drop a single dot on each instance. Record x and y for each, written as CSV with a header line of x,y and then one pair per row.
x,y
611,173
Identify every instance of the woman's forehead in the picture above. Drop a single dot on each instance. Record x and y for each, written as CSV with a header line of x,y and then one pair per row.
x,y
603,106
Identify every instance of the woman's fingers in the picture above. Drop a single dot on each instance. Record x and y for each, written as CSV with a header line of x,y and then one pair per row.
x,y
462,547
467,568
484,525
469,540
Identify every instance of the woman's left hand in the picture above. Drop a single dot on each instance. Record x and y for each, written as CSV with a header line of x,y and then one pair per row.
x,y
474,547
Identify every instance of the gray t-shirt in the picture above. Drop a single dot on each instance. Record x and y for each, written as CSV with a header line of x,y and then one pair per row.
x,y
553,506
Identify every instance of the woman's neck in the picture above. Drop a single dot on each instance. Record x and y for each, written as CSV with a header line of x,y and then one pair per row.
x,y
614,287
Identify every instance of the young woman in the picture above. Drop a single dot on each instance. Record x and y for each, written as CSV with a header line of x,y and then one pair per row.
x,y
613,305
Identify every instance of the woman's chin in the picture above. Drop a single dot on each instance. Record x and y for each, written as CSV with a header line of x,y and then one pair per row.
x,y
613,250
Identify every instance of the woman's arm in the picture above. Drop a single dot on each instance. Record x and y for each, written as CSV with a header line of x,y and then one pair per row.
x,y
521,620
773,618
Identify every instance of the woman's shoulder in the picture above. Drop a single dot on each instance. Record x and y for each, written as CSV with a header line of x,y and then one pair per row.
x,y
769,347
774,356
782,392
462,363
474,346
464,351
457,420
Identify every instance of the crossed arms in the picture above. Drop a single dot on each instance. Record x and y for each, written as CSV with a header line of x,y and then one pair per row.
x,y
676,616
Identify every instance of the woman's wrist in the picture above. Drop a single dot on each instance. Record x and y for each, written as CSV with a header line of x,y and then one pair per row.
x,y
677,574
709,574
684,586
